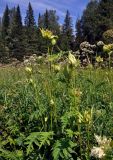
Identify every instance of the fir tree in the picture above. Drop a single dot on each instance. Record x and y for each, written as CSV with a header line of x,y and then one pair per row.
x,y
105,10
5,33
16,35
46,20
89,22
5,23
12,13
40,21
67,33
79,36
29,19
30,35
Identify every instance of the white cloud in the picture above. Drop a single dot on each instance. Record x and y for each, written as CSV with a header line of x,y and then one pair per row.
x,y
74,6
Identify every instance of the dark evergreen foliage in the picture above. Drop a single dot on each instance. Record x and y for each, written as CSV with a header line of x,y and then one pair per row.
x,y
5,22
29,19
30,33
19,40
16,36
67,33
96,19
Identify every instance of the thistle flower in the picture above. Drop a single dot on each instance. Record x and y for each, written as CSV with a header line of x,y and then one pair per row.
x,y
48,34
72,60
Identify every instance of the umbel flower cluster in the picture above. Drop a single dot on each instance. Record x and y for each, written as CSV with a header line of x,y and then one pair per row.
x,y
87,48
102,148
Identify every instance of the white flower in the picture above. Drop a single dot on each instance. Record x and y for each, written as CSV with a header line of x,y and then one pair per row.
x,y
102,141
97,152
100,43
51,102
46,119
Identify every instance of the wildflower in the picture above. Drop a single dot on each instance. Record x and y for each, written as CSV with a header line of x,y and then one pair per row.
x,y
99,59
97,152
77,92
56,67
108,48
104,146
72,60
31,81
102,141
32,58
26,61
51,102
88,117
53,41
100,43
48,34
46,119
28,69
39,57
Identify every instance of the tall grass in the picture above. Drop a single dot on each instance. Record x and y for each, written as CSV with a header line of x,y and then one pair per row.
x,y
54,114
55,110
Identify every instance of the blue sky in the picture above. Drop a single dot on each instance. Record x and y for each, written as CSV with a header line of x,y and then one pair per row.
x,y
74,6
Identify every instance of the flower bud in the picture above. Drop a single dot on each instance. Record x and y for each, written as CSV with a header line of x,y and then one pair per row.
x,y
28,69
53,41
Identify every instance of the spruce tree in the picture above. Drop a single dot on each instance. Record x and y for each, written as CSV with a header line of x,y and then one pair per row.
x,y
41,41
5,33
12,13
40,21
79,36
90,22
105,10
67,33
16,35
46,20
30,35
1,41
5,23
29,19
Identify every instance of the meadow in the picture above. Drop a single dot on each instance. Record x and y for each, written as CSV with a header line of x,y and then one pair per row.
x,y
51,110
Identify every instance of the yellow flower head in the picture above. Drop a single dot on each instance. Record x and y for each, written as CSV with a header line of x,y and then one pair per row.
x,y
28,69
46,119
99,59
72,60
108,48
51,102
56,67
48,34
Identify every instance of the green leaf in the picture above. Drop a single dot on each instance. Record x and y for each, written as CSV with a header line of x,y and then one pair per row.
x,y
38,138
